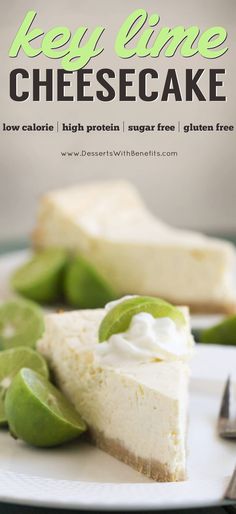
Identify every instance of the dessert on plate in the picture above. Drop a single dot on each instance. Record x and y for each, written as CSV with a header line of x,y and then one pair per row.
x,y
109,225
132,388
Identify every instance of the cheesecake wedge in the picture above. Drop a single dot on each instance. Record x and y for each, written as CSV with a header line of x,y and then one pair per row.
x,y
109,225
132,390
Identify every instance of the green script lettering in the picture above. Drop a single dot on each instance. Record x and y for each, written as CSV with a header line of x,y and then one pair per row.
x,y
74,57
210,39
55,38
24,37
78,56
137,36
168,40
175,37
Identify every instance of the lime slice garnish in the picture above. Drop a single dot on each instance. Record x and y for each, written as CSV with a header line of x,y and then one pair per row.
x,y
222,333
85,288
119,317
11,361
41,278
21,324
38,413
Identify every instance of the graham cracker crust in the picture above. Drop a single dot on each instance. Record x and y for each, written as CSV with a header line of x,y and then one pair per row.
x,y
151,468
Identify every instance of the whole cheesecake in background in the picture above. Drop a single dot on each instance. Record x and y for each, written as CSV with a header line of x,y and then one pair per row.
x,y
131,390
137,253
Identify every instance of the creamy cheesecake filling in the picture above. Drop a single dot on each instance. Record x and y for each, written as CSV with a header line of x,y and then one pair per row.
x,y
137,408
136,413
108,224
145,414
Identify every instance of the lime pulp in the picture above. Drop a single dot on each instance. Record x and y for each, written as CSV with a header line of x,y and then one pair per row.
x,y
38,413
11,361
21,324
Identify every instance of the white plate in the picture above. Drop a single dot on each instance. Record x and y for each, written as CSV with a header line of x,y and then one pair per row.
x,y
79,476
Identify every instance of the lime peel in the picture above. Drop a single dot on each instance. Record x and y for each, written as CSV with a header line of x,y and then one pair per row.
x,y
41,278
118,318
11,361
85,287
34,417
221,333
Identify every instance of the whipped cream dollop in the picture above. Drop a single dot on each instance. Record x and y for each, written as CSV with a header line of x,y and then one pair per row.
x,y
147,339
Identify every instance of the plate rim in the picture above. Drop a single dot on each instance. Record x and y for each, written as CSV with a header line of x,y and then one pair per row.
x,y
140,503
99,505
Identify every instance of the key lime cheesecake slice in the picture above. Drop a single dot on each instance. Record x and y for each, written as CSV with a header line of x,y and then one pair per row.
x,y
134,251
132,388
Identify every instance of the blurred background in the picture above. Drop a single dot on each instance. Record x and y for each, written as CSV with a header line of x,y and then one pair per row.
x,y
195,189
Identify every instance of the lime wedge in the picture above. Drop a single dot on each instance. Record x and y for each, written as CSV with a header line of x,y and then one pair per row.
x,y
40,279
11,361
85,288
222,333
21,324
119,317
38,413
3,420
